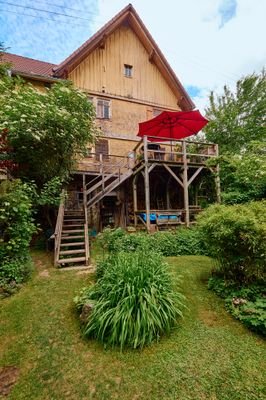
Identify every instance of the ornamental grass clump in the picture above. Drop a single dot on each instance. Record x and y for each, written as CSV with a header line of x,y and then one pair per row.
x,y
135,302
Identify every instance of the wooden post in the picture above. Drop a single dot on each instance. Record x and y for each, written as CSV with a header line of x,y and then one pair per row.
x,y
167,194
101,169
185,183
84,191
147,183
135,199
217,177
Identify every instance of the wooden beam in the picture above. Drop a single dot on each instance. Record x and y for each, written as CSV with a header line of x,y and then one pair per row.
x,y
151,56
135,199
147,183
173,175
185,183
194,175
139,169
167,193
151,167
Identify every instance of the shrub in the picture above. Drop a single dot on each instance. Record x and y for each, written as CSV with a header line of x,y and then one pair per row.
x,y
16,270
180,242
16,229
134,301
108,239
183,241
246,303
236,236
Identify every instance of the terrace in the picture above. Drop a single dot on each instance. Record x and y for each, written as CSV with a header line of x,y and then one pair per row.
x,y
178,164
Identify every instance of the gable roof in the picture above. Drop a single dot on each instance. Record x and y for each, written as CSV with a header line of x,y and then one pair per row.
x,y
128,16
28,66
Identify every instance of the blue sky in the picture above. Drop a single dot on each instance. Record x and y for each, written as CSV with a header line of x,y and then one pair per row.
x,y
208,43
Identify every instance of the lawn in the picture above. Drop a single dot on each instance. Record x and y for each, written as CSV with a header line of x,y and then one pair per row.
x,y
210,356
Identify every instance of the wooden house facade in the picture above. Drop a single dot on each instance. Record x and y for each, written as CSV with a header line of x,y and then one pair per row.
x,y
125,181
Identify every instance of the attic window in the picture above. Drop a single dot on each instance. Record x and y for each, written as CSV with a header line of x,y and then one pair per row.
x,y
128,69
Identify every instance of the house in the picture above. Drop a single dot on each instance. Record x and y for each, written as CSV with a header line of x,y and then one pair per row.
x,y
124,180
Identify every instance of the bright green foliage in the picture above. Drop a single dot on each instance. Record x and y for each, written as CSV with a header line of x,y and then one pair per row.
x,y
236,237
47,130
50,194
135,303
16,229
246,303
180,242
237,118
3,66
243,176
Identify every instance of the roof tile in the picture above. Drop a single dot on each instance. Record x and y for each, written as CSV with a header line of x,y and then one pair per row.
x,y
29,65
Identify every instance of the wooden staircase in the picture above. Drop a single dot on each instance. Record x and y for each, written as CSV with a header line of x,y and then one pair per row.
x,y
71,232
71,237
107,181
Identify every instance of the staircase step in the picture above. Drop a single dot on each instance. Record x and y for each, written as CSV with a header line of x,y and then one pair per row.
x,y
72,244
75,220
71,260
73,212
71,252
73,231
72,225
72,237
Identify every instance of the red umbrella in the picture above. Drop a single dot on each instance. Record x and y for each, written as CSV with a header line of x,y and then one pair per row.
x,y
172,125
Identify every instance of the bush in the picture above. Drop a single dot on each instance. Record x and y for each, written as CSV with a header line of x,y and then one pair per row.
x,y
236,236
16,229
15,270
134,301
180,242
246,303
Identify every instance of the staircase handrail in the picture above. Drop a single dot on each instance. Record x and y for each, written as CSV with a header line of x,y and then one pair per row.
x,y
107,174
86,235
58,228
108,189
118,166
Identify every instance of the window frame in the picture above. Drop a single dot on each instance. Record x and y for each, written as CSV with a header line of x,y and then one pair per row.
x,y
128,70
103,108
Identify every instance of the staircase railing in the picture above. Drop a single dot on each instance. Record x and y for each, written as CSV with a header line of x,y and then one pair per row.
x,y
58,228
118,172
107,171
86,235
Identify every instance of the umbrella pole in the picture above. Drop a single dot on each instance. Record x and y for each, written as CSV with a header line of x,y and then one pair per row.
x,y
185,183
147,184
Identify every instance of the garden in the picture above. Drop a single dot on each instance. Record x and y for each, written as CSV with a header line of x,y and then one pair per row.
x,y
178,314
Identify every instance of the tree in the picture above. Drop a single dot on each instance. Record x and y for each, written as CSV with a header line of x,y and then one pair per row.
x,y
48,131
243,176
237,118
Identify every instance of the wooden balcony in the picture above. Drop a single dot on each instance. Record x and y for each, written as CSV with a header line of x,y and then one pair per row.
x,y
180,160
174,152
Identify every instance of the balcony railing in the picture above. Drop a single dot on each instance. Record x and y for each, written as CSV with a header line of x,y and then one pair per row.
x,y
175,151
172,152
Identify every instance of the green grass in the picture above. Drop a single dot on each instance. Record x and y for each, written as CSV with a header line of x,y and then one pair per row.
x,y
210,356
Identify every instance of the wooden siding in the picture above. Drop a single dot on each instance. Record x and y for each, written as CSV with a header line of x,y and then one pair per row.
x,y
125,117
103,70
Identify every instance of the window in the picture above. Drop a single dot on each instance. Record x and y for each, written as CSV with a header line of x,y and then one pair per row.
x,y
101,147
128,69
103,109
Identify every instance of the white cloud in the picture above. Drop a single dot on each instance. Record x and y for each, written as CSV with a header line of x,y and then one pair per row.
x,y
189,34
203,54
